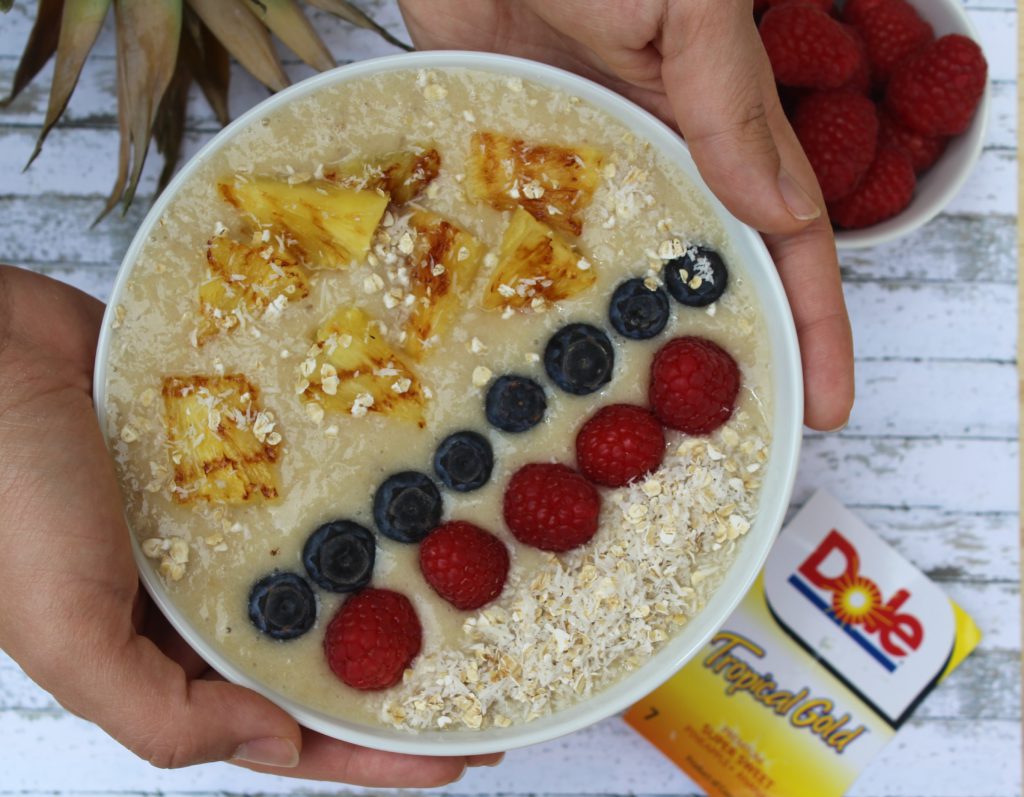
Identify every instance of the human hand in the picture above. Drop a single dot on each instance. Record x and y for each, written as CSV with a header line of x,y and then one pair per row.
x,y
697,64
74,616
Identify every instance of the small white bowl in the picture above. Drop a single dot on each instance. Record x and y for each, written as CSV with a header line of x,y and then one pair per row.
x,y
786,429
941,183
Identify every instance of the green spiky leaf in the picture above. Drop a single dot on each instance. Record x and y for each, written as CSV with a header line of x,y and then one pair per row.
x,y
286,20
209,64
80,24
42,42
244,37
356,16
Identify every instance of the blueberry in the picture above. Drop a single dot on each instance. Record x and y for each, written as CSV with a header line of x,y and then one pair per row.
x,y
701,265
407,506
515,403
282,605
339,556
464,461
579,358
638,312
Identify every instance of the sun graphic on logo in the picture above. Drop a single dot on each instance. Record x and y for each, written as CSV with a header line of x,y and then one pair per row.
x,y
855,600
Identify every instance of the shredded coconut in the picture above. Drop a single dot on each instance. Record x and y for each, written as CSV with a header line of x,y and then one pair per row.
x,y
575,624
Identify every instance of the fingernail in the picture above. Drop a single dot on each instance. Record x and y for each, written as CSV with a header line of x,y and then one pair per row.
x,y
270,751
838,429
799,202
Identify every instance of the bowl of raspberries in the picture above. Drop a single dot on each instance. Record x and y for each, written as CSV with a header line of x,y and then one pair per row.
x,y
889,99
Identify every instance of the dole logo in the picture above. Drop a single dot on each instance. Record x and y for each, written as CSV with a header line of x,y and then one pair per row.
x,y
856,603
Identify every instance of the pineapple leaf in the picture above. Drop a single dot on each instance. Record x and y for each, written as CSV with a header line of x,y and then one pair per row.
x,y
355,16
80,24
169,126
286,20
149,34
245,37
209,64
42,42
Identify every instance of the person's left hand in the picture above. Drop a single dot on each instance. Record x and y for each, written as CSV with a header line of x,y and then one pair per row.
x,y
699,65
74,614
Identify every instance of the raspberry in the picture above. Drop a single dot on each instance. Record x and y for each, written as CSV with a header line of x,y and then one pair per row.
x,y
860,80
694,384
551,507
838,130
891,30
936,91
807,47
886,189
465,565
824,5
923,150
372,639
619,444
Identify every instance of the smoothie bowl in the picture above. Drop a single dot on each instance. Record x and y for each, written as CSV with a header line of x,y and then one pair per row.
x,y
451,410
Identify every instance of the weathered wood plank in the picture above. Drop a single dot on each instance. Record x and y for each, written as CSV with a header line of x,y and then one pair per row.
x,y
957,248
952,474
955,757
925,398
927,320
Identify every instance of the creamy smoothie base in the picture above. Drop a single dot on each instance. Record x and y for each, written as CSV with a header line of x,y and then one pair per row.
x,y
566,625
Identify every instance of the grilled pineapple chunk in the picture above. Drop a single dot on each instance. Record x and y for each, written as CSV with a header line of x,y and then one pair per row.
x,y
442,268
222,443
535,267
353,369
330,225
402,175
555,184
247,280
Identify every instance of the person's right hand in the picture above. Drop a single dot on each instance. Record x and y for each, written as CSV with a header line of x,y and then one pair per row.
x,y
700,66
73,614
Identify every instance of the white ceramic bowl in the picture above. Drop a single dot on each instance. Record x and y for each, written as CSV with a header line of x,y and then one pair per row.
x,y
787,400
940,183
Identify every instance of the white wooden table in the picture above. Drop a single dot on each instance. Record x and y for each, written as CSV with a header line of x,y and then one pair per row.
x,y
929,458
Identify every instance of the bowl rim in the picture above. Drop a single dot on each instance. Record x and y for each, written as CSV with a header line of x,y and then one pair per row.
x,y
786,425
972,141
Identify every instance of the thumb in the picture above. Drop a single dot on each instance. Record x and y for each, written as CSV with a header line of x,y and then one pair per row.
x,y
718,80
146,701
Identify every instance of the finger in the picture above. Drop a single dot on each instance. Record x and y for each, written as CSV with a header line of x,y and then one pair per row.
x,y
713,69
485,760
810,273
146,702
156,627
324,758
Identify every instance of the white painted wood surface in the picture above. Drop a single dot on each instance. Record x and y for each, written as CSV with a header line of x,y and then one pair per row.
x,y
929,460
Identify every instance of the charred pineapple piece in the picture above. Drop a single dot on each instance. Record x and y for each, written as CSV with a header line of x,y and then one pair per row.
x,y
246,280
223,446
442,267
353,369
535,267
555,184
402,175
330,225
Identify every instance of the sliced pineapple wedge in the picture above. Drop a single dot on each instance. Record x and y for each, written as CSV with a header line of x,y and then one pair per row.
x,y
353,369
442,267
402,174
555,184
535,267
223,445
246,281
330,225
